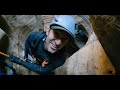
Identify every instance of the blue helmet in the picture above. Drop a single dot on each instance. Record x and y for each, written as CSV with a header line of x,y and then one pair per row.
x,y
66,23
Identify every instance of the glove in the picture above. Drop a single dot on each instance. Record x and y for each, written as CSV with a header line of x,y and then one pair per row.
x,y
15,59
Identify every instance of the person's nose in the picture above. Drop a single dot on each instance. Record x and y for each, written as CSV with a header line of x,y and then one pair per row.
x,y
58,42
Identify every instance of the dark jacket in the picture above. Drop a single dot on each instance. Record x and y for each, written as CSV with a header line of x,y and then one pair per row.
x,y
35,46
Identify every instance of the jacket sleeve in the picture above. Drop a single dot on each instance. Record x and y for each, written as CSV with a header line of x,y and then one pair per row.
x,y
38,68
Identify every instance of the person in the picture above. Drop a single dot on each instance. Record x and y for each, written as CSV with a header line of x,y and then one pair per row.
x,y
48,47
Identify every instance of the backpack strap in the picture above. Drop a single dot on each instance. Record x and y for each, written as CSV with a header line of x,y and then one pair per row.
x,y
36,42
39,36
32,42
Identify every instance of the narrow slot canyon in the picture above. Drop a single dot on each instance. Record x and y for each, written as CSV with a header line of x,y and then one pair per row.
x,y
97,52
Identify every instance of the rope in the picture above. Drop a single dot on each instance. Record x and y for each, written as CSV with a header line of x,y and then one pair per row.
x,y
4,54
9,56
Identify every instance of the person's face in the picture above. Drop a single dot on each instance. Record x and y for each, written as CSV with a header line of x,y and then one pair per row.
x,y
55,40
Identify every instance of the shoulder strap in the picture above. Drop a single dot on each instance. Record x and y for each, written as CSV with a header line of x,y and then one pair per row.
x,y
37,40
32,42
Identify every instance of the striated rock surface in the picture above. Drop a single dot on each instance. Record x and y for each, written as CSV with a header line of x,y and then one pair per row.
x,y
93,56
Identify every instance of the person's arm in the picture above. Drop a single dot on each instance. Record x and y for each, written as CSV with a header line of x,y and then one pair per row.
x,y
35,67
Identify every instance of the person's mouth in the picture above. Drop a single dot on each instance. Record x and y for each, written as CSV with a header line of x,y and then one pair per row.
x,y
53,47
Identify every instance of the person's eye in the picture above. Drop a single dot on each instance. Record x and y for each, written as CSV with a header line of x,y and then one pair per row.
x,y
65,37
57,35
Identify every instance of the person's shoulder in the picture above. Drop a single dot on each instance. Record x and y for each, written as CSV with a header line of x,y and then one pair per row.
x,y
35,32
